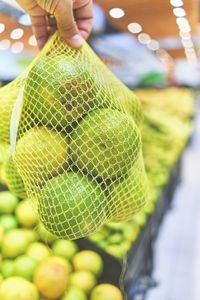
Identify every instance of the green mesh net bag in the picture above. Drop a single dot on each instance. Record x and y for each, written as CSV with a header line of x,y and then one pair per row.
x,y
75,140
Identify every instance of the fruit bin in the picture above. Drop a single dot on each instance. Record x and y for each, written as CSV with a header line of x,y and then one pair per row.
x,y
139,262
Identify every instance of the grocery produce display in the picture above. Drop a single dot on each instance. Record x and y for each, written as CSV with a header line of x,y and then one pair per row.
x,y
76,150
38,265
35,265
166,129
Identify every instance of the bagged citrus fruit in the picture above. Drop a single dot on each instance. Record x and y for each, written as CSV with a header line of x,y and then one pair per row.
x,y
74,132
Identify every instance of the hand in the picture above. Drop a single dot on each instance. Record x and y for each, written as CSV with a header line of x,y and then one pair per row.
x,y
73,18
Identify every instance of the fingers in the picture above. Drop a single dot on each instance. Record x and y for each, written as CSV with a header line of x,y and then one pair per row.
x,y
67,25
83,13
40,30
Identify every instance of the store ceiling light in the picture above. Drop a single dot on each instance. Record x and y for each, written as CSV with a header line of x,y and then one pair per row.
x,y
32,41
185,35
25,20
179,12
144,38
187,43
17,47
134,27
186,29
16,33
4,44
2,27
176,3
153,45
116,12
182,21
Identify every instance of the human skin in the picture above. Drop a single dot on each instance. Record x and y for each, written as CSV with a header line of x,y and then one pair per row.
x,y
73,18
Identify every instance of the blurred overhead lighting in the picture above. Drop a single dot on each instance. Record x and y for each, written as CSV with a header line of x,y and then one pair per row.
x,y
185,35
116,13
4,44
182,21
2,27
179,12
16,33
17,47
153,45
134,27
176,3
32,41
144,38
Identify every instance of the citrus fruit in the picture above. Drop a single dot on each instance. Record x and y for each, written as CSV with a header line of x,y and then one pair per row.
x,y
24,266
105,143
7,101
38,251
36,159
8,222
2,231
3,174
83,280
8,202
26,214
71,205
88,260
62,261
7,268
17,288
128,196
74,293
30,234
45,235
106,291
64,248
59,90
51,279
15,242
14,180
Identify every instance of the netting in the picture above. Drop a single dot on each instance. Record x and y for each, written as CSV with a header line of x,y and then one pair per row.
x,y
78,146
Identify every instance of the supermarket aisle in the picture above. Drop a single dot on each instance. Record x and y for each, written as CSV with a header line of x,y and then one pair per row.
x,y
177,249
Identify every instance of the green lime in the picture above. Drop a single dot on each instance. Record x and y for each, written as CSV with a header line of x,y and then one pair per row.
x,y
72,206
38,251
26,214
74,293
24,266
8,222
31,235
36,159
59,90
128,196
7,268
2,231
83,280
14,180
8,202
45,235
105,143
88,260
15,242
64,248
106,291
17,288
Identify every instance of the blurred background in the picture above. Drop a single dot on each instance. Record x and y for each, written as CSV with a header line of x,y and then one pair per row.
x,y
153,47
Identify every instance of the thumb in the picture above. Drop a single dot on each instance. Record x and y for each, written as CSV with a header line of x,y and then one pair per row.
x,y
67,25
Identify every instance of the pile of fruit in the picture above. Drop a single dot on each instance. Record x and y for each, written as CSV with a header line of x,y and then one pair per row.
x,y
166,129
35,265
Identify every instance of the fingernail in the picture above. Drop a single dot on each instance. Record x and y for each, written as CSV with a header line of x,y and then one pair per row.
x,y
77,41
